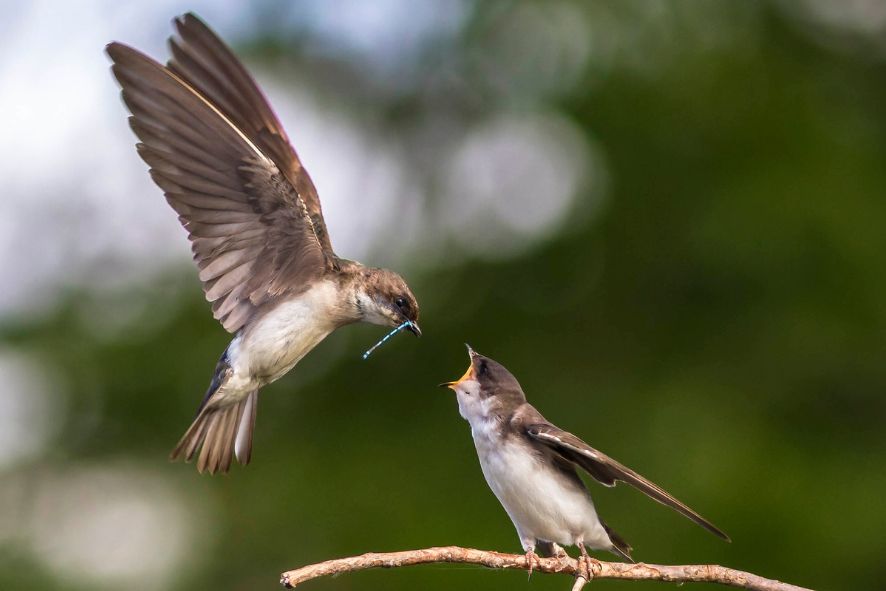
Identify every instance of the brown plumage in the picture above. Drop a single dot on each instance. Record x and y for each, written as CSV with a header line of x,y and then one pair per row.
x,y
209,66
216,149
216,429
604,469
250,232
531,464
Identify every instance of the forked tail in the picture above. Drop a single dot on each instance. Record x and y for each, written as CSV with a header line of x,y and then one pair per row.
x,y
219,434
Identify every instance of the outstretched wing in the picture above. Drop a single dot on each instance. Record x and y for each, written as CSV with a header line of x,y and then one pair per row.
x,y
250,232
607,471
203,60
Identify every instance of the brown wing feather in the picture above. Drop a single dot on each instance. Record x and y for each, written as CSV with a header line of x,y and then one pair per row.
x,y
608,471
250,233
203,60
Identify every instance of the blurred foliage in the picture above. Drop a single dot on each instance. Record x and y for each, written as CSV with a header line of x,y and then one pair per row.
x,y
719,325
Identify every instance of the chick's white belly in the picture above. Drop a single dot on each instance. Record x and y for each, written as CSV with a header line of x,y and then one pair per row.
x,y
542,503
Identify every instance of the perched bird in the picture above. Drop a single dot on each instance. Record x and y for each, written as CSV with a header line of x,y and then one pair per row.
x,y
216,149
530,465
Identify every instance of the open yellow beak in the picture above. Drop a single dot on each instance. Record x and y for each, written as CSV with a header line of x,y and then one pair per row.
x,y
469,375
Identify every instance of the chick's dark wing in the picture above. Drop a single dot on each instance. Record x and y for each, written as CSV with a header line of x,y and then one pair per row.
x,y
608,471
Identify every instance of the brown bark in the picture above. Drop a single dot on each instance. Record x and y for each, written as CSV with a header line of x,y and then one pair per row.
x,y
698,573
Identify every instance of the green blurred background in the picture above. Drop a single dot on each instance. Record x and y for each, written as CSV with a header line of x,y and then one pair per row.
x,y
666,218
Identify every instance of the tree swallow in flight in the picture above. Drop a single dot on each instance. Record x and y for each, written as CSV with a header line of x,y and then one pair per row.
x,y
218,152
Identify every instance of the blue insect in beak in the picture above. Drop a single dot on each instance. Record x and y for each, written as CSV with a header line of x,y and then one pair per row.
x,y
407,324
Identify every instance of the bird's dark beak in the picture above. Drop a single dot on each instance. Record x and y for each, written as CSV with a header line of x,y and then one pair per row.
x,y
413,328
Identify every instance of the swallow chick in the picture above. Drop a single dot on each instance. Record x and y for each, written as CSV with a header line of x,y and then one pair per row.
x,y
221,157
530,464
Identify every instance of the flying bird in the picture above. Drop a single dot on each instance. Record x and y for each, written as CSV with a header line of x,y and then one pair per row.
x,y
220,155
530,464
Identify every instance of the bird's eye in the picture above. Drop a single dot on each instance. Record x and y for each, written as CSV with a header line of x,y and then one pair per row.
x,y
401,302
483,368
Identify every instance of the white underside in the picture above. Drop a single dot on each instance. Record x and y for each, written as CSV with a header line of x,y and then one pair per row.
x,y
541,503
265,351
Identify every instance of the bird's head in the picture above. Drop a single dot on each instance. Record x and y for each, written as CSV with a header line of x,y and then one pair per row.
x,y
384,299
486,387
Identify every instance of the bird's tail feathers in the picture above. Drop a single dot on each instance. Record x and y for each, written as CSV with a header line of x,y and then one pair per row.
x,y
619,546
245,428
219,433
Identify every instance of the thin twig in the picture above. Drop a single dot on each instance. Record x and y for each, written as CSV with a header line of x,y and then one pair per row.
x,y
698,573
579,584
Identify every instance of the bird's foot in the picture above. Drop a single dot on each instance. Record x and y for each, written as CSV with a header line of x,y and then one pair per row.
x,y
591,565
587,564
532,560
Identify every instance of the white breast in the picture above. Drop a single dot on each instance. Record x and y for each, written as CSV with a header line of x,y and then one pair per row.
x,y
287,333
542,504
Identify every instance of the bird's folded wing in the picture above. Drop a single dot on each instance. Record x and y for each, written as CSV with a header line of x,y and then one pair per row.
x,y
608,471
250,233
203,60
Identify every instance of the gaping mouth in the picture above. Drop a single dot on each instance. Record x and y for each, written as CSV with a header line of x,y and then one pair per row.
x,y
469,374
413,328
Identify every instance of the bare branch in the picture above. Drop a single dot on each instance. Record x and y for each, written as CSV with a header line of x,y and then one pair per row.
x,y
699,573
